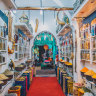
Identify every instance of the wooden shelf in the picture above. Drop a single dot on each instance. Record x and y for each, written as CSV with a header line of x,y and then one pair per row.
x,y
3,37
86,5
3,63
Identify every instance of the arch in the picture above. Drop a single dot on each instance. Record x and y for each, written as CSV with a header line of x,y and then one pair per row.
x,y
44,32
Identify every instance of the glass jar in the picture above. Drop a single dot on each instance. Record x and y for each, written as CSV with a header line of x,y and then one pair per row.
x,y
0,58
0,44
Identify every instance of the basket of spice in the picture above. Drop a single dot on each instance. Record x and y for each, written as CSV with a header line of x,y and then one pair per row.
x,y
89,75
15,89
4,79
84,70
24,66
19,68
8,73
69,65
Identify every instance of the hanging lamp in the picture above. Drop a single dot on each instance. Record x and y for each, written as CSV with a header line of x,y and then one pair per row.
x,y
24,18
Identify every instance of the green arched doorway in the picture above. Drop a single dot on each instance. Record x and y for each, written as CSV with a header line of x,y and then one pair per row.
x,y
44,38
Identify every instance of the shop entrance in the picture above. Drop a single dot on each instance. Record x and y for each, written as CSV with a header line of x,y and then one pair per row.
x,y
41,52
45,50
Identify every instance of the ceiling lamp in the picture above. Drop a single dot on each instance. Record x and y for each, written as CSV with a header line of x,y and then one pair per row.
x,y
46,47
24,18
58,21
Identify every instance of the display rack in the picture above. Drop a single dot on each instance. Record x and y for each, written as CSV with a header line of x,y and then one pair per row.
x,y
93,40
85,42
88,42
21,48
3,43
66,46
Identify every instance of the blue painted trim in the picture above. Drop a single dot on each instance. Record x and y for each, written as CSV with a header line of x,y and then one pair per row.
x,y
20,32
89,18
4,17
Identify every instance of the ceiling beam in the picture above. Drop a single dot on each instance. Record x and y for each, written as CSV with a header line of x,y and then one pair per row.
x,y
47,8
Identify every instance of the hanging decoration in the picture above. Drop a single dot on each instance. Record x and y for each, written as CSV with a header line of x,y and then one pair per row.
x,y
12,65
10,19
66,19
24,18
58,21
72,56
37,23
11,51
46,47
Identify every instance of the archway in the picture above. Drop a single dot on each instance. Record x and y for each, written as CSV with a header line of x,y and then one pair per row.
x,y
41,54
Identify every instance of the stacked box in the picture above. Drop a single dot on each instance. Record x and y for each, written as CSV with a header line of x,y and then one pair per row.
x,y
28,78
56,70
63,73
23,84
70,87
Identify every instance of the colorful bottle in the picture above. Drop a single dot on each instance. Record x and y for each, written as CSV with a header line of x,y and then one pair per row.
x,y
92,31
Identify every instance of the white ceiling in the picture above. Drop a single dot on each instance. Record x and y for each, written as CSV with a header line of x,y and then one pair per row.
x,y
49,16
45,3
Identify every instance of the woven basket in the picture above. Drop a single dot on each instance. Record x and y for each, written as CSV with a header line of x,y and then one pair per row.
x,y
18,68
10,76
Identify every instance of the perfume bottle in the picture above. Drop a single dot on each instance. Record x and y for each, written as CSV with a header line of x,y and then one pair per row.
x,y
92,31
95,29
93,56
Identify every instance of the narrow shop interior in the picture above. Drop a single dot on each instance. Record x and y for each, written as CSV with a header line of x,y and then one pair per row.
x,y
48,48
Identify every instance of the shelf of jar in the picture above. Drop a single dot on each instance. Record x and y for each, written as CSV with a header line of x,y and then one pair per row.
x,y
3,63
